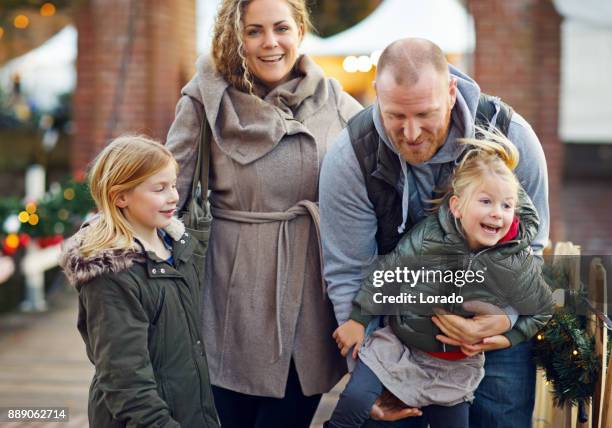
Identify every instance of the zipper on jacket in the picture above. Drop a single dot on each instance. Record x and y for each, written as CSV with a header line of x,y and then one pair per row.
x,y
472,257
194,332
160,306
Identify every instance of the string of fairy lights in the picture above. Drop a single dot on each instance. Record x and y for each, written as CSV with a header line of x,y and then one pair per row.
x,y
22,20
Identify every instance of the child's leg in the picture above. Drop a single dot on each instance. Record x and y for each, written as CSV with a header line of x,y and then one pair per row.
x,y
456,416
357,399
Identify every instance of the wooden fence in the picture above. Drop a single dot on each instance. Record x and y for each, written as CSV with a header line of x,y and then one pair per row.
x,y
599,412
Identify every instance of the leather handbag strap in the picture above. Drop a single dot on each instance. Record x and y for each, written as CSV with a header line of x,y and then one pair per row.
x,y
202,162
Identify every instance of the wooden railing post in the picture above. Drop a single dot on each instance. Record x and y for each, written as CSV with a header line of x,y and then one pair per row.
x,y
598,295
606,416
599,411
546,414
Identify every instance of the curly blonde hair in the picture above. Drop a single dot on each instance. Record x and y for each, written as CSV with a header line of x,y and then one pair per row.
x,y
227,44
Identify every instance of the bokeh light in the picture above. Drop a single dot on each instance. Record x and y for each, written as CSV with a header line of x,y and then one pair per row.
x,y
24,216
30,207
350,64
33,220
47,9
69,194
12,241
21,21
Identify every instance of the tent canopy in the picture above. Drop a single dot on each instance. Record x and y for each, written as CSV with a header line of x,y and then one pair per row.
x,y
592,12
47,71
445,22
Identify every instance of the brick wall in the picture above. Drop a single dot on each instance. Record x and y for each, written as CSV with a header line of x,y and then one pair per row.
x,y
133,58
517,58
586,212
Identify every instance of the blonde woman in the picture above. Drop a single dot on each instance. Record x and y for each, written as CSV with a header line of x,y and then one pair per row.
x,y
267,323
139,295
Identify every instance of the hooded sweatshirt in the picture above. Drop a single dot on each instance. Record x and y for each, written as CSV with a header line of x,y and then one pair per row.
x,y
348,220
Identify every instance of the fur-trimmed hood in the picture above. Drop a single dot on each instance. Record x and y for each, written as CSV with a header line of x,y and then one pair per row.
x,y
80,269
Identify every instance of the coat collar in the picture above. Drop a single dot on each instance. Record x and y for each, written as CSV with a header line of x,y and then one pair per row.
x,y
80,269
176,229
247,127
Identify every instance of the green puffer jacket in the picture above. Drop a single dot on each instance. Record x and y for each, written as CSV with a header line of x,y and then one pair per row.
x,y
509,275
139,317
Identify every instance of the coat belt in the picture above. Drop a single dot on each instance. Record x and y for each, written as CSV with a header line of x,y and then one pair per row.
x,y
302,208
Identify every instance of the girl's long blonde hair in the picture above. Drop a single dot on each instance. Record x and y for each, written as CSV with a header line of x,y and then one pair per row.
x,y
121,166
228,46
492,155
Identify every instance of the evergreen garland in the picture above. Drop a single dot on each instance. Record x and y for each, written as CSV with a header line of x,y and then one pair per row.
x,y
61,210
565,350
49,220
567,354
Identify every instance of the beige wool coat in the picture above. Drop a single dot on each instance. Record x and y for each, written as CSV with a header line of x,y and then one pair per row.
x,y
264,295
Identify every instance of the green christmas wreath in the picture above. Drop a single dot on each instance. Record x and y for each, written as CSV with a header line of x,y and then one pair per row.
x,y
565,350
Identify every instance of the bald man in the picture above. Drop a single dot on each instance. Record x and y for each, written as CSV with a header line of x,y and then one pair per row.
x,y
376,182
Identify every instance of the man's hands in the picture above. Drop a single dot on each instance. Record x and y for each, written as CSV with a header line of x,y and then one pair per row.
x,y
477,334
350,334
389,408
487,344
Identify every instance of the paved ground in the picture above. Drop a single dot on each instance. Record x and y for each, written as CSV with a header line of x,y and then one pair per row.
x,y
43,363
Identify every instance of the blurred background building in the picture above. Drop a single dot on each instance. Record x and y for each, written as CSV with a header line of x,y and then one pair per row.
x,y
76,73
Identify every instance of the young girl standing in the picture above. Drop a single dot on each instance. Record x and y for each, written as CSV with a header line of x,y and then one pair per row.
x,y
139,295
484,224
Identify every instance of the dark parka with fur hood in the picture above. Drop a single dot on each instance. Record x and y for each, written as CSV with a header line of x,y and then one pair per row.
x,y
139,318
512,276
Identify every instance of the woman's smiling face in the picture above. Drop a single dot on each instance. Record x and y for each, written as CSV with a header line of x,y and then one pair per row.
x,y
271,39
